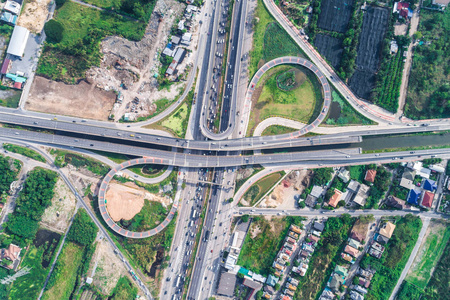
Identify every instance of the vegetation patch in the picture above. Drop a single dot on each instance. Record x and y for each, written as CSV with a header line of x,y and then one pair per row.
x,y
79,48
156,187
9,97
139,9
240,182
261,187
277,129
124,290
25,152
439,286
148,171
9,169
429,254
428,88
391,264
342,113
263,241
302,103
62,158
151,215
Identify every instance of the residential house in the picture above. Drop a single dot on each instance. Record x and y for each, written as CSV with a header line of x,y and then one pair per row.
x,y
437,168
420,170
364,282
226,284
361,196
318,226
316,233
395,202
269,289
289,292
175,40
347,257
186,39
427,199
327,294
286,297
353,243
314,239
310,200
357,235
409,174
360,290
258,277
272,280
353,186
387,229
295,229
341,271
356,296
366,273
278,267
291,241
308,248
370,175
252,284
403,9
316,191
12,7
407,183
352,251
344,174
293,235
413,197
304,254
335,198
8,18
10,257
382,239
335,282
429,185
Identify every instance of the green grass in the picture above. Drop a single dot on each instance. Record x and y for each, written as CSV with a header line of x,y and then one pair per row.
x,y
148,171
277,129
269,40
140,9
29,286
115,157
439,286
79,49
11,101
261,187
154,188
62,158
69,262
175,122
429,254
124,290
347,114
150,216
25,152
258,252
302,103
357,172
409,291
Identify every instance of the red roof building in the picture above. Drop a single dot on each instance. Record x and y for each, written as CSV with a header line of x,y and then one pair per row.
x,y
352,251
370,175
335,198
5,66
427,199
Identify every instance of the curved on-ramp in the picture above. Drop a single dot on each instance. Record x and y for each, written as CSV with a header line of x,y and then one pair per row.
x,y
102,202
285,60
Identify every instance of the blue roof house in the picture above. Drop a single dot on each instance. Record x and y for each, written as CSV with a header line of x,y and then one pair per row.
x,y
429,185
413,197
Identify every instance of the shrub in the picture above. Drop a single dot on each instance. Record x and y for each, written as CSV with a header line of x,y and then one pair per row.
x,y
54,31
83,230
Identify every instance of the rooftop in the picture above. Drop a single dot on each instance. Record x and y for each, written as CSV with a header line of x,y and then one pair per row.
x,y
387,229
335,198
370,175
427,199
226,284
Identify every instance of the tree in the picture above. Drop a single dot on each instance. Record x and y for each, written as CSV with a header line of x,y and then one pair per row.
x,y
277,287
302,204
244,218
60,3
83,230
259,295
341,203
54,31
240,275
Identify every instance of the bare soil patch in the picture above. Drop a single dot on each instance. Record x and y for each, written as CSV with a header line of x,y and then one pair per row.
x,y
57,215
109,268
82,100
34,15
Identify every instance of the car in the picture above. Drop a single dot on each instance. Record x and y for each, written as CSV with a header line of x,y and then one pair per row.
x,y
211,250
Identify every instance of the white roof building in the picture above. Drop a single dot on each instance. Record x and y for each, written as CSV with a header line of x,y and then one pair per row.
x,y
12,7
18,41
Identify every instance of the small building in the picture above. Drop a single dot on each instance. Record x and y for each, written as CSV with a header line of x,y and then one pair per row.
x,y
427,199
353,243
10,257
186,39
387,229
413,197
226,284
335,282
335,198
175,40
394,47
341,271
429,185
179,55
18,41
361,196
252,284
437,168
310,200
316,191
344,174
352,251
168,52
406,183
89,280
295,229
258,277
8,18
12,7
318,226
370,175
181,25
353,186
5,66
272,280
409,174
395,202
172,68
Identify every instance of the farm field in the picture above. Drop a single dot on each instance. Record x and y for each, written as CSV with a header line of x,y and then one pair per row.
x,y
335,15
267,40
266,234
438,235
262,186
302,102
428,89
329,47
375,20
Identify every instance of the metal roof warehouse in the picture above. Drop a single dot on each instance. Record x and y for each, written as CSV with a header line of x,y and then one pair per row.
x,y
18,41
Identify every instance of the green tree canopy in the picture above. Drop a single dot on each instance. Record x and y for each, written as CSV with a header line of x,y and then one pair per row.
x,y
54,31
83,230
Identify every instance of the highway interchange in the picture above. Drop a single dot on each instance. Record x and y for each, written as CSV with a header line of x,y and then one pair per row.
x,y
212,157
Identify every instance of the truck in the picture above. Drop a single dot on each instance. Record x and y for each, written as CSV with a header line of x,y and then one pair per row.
x,y
206,235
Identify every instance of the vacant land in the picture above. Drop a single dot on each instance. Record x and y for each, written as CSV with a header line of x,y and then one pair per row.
x,y
277,129
260,188
330,47
244,173
394,258
63,158
68,60
302,103
70,258
335,15
25,152
269,40
124,202
82,100
375,20
34,14
342,113
10,97
430,251
428,89
439,287
124,290
263,241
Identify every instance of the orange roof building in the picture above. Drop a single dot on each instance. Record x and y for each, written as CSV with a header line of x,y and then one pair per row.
x,y
335,198
427,199
387,229
352,251
370,175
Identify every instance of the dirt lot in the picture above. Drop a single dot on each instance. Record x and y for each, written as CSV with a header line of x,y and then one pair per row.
x,y
283,196
335,14
375,21
34,15
83,100
108,269
329,47
124,201
57,216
